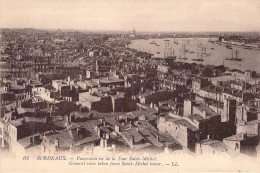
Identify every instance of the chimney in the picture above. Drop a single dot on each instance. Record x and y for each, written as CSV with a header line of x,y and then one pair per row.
x,y
117,128
131,140
244,135
18,103
114,148
6,88
104,122
71,148
204,114
91,115
105,142
3,137
107,136
78,130
166,149
102,143
23,120
157,137
56,144
66,118
98,132
32,140
80,77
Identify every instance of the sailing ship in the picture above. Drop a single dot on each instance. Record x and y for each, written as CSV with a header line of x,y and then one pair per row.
x,y
184,57
199,46
234,58
210,41
198,59
184,48
228,46
168,50
174,41
153,42
249,48
204,51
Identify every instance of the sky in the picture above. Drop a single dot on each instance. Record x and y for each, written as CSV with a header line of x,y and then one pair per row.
x,y
125,15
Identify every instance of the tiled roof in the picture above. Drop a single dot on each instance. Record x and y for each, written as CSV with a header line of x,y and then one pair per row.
x,y
239,137
132,133
195,117
67,138
218,146
186,124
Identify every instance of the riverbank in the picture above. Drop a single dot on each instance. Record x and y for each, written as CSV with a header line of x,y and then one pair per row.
x,y
212,54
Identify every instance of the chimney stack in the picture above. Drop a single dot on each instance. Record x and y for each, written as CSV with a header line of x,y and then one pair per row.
x,y
204,114
56,144
98,132
131,140
80,77
244,135
78,130
23,120
32,140
157,137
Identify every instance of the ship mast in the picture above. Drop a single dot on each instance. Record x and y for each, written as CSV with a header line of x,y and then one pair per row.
x,y
236,54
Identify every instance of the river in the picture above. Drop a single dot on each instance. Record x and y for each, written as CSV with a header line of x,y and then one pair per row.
x,y
215,54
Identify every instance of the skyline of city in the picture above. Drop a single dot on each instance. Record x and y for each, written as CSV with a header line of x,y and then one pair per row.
x,y
167,16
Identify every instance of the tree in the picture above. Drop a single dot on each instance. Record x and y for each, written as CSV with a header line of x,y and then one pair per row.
x,y
208,72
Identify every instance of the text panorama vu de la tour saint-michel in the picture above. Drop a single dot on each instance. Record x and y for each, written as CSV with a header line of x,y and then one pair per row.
x,y
107,161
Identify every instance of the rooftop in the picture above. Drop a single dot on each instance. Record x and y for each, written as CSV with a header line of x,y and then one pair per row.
x,y
185,123
110,79
67,138
240,137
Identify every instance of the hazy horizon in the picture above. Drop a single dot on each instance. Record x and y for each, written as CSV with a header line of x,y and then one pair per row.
x,y
123,16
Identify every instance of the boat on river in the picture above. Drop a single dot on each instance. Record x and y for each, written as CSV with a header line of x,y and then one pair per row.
x,y
234,58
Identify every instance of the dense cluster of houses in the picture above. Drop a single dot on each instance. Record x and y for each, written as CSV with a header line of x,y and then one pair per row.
x,y
60,97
